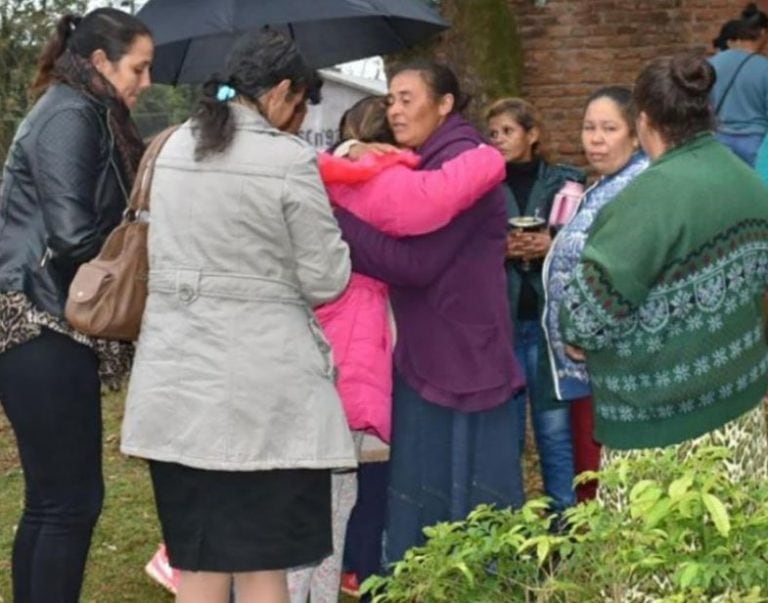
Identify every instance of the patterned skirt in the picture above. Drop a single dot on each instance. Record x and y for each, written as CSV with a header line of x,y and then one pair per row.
x,y
746,436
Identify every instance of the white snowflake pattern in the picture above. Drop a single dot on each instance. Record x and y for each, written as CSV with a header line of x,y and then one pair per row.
x,y
747,339
676,329
682,372
707,399
726,391
681,304
654,344
613,383
714,323
687,406
735,349
731,305
645,380
665,411
585,321
709,293
663,379
654,314
626,414
630,383
695,322
735,276
742,383
624,349
719,358
701,366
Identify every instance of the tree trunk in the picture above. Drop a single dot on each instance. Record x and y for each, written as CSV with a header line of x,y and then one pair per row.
x,y
482,46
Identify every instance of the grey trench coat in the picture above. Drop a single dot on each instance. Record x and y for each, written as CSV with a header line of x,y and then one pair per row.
x,y
231,371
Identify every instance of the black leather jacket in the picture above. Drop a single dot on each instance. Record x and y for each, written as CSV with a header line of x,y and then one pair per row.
x,y
63,191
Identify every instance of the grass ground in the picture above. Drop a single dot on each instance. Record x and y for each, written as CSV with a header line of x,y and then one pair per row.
x,y
128,531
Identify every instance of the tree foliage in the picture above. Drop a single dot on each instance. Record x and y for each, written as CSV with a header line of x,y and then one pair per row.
x,y
24,28
483,47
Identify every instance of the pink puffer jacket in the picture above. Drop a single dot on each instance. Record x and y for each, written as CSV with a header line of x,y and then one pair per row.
x,y
387,193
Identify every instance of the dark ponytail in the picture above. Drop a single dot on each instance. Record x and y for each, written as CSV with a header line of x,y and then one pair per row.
x,y
53,49
258,62
213,121
107,29
729,31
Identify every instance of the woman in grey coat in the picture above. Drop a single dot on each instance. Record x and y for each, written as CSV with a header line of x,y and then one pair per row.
x,y
232,395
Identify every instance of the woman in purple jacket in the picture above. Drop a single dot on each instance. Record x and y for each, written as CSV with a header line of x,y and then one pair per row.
x,y
454,428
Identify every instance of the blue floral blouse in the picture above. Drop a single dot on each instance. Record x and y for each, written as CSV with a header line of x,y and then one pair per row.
x,y
571,378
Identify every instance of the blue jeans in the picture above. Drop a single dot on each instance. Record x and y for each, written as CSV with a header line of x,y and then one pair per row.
x,y
552,428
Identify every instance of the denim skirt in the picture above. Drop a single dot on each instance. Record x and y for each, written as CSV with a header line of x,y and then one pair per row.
x,y
445,462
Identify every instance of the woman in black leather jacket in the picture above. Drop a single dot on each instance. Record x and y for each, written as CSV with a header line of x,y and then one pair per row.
x,y
65,185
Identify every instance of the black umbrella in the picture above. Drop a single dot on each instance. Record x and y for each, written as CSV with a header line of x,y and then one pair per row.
x,y
193,37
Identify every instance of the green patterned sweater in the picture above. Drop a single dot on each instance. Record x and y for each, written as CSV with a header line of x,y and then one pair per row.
x,y
667,299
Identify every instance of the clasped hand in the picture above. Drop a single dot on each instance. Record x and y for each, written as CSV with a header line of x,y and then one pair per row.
x,y
527,246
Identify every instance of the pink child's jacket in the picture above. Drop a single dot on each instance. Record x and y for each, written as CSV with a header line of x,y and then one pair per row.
x,y
387,193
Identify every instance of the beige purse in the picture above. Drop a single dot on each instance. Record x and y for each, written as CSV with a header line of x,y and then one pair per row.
x,y
107,296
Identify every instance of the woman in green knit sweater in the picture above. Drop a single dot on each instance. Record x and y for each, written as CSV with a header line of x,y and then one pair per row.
x,y
666,301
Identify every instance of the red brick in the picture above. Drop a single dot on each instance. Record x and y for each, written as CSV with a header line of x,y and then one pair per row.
x,y
574,46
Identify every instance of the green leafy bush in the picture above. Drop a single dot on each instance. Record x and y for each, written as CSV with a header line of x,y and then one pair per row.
x,y
685,534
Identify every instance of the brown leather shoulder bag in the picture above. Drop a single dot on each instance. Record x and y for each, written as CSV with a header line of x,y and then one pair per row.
x,y
107,296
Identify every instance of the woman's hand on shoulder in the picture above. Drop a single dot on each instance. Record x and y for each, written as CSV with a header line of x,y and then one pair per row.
x,y
359,149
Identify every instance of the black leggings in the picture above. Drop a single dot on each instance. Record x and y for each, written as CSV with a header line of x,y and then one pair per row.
x,y
50,391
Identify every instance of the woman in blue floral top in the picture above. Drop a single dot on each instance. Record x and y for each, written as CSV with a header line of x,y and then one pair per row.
x,y
610,144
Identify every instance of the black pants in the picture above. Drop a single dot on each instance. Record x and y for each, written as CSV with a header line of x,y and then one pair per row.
x,y
49,388
362,553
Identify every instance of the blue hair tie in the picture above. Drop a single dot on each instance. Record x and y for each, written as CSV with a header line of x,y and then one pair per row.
x,y
225,93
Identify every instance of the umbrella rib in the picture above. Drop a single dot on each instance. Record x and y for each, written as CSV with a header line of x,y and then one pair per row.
x,y
181,62
388,21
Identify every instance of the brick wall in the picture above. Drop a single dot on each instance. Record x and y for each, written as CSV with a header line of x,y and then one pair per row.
x,y
572,47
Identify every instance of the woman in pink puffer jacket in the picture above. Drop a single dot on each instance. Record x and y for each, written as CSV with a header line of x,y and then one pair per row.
x,y
385,191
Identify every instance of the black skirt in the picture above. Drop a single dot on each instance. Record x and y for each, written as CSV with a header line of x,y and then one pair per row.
x,y
243,521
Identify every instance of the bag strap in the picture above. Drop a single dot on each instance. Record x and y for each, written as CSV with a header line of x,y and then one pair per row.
x,y
730,83
139,200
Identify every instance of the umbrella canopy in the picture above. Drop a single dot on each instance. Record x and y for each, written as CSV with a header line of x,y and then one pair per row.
x,y
193,37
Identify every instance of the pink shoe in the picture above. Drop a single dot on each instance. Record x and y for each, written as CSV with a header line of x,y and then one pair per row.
x,y
161,572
